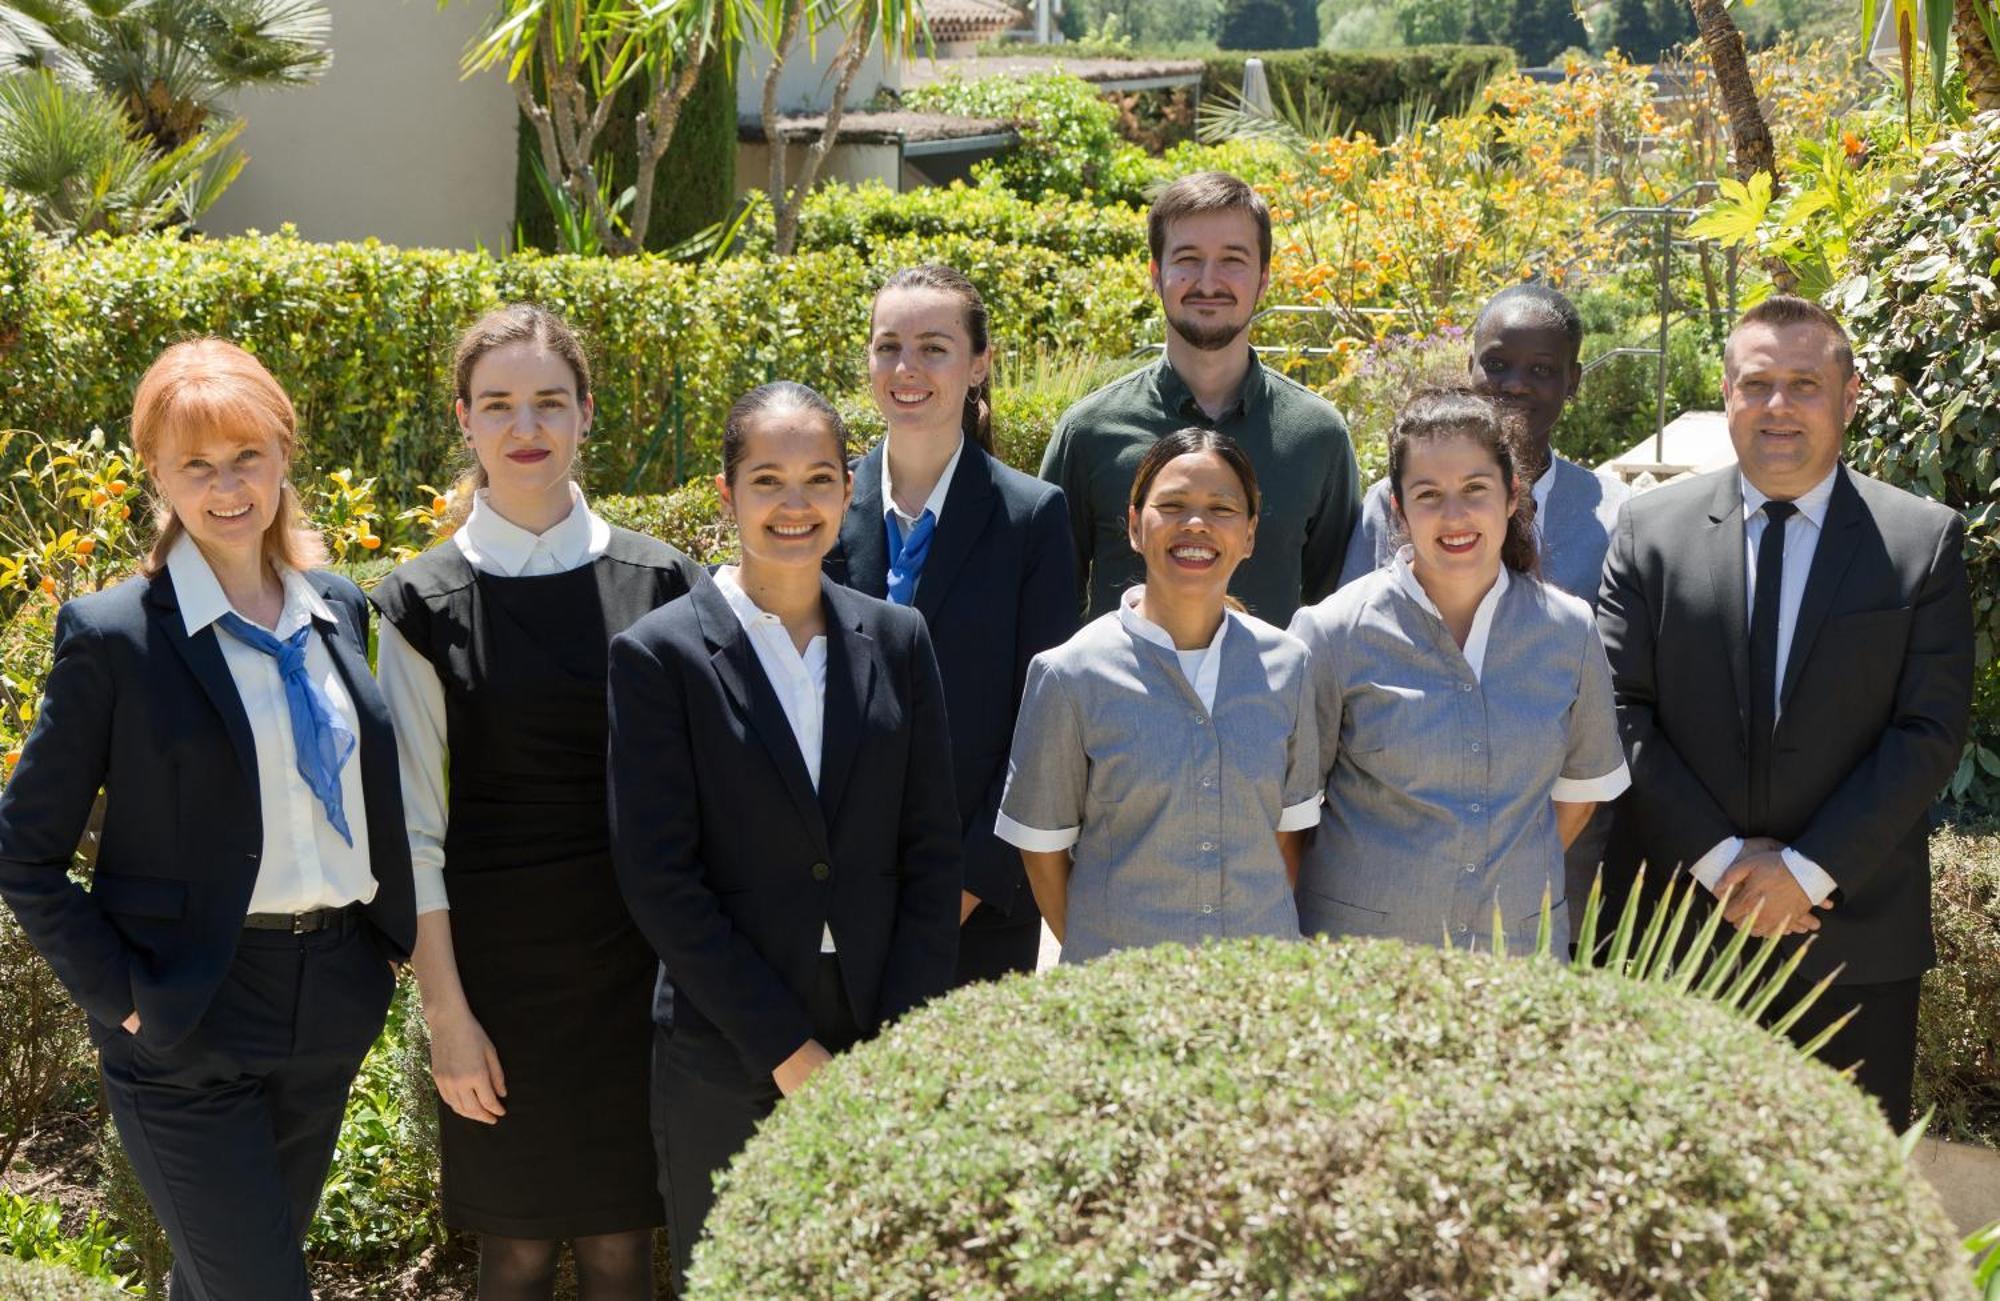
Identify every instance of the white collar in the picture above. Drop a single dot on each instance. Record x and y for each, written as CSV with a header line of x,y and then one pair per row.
x,y
203,601
748,612
1482,618
935,504
492,541
1812,503
1543,488
1140,626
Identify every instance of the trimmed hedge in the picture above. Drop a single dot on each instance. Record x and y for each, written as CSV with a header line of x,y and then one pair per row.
x,y
1368,86
1069,132
1325,1120
360,334
28,1280
860,218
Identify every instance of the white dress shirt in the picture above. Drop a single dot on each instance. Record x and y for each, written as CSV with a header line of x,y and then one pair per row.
x,y
934,504
1541,490
798,679
304,864
1802,532
492,545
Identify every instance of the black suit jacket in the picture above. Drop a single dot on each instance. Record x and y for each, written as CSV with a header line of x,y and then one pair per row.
x,y
1874,702
136,707
731,864
998,588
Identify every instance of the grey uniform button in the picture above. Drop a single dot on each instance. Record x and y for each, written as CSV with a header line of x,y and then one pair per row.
x,y
1200,719
1207,908
1477,807
1470,868
821,871
1475,747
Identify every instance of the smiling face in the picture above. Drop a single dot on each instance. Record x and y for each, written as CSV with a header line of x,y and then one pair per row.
x,y
524,420
1210,276
224,487
789,490
1454,504
921,363
1194,528
1522,358
1789,401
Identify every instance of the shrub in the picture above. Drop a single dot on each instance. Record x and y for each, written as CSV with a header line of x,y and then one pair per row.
x,y
1325,1120
862,217
1068,131
1958,1030
1368,87
689,517
33,1230
1921,305
38,1281
360,334
44,1045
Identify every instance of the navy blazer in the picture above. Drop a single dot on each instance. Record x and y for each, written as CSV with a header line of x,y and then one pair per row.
x,y
732,864
136,707
998,588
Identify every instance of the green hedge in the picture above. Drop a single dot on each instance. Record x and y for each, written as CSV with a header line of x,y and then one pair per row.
x,y
859,218
360,334
1069,132
34,1281
1325,1121
1368,86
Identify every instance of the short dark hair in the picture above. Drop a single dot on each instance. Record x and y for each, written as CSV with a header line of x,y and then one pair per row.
x,y
1188,442
1436,413
1543,299
1780,310
781,396
1208,192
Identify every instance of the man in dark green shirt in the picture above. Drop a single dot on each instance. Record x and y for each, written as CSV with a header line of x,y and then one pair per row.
x,y
1210,237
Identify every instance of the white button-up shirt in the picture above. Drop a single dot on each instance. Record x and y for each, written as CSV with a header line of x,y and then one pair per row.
x,y
1802,533
934,504
494,545
799,680
304,863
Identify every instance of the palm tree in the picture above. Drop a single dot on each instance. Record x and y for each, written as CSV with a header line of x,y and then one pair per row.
x,y
168,63
1751,149
1977,28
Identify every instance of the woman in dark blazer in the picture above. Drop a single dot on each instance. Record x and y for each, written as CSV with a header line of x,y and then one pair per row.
x,y
252,888
981,550
782,817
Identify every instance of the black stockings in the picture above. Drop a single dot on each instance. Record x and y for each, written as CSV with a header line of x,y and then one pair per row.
x,y
609,1267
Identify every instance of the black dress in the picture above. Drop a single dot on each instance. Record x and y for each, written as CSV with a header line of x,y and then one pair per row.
x,y
552,965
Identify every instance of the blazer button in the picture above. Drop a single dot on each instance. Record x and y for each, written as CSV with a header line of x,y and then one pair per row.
x,y
821,871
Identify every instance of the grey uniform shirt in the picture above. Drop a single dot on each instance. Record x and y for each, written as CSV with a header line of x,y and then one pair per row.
x,y
1172,805
1440,763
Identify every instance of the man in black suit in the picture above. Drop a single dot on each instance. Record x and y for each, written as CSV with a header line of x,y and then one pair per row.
x,y
1791,644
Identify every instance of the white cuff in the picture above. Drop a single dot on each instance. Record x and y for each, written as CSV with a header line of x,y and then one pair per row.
x,y
1708,869
1301,817
431,897
1592,790
1812,878
1032,839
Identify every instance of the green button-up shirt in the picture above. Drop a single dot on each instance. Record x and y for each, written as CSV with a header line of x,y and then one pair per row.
x,y
1305,472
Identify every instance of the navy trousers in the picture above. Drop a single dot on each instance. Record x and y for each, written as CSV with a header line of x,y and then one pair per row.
x,y
232,1130
991,946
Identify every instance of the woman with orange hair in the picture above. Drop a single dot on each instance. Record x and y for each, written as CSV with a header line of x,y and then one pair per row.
x,y
235,948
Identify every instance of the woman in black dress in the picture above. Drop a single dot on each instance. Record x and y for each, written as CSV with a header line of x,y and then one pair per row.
x,y
536,985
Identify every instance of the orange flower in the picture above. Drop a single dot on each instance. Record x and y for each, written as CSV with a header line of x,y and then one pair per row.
x,y
11,758
439,505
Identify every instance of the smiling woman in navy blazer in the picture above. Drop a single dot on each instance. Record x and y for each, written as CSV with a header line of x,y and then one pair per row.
x,y
982,551
782,818
253,874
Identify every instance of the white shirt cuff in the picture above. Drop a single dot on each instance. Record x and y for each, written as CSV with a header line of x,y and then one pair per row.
x,y
1592,790
1033,839
1301,817
1812,878
431,896
1708,869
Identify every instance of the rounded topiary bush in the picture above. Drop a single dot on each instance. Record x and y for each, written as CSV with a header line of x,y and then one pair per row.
x,y
1325,1120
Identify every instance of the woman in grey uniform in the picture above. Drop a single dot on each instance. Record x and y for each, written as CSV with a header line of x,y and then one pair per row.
x,y
1464,706
1163,770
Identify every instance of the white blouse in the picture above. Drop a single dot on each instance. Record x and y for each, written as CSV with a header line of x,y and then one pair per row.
x,y
492,545
304,863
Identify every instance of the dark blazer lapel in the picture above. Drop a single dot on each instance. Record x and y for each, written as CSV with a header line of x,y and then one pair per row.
x,y
863,563
1838,541
344,646
968,504
204,658
850,679
1724,544
750,692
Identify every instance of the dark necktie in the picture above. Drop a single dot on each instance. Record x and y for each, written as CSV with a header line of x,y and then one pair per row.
x,y
1764,658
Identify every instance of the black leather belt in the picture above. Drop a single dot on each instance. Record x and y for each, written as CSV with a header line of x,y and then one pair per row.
x,y
298,923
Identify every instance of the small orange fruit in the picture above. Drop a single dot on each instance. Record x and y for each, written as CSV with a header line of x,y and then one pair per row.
x,y
99,498
124,512
117,487
86,546
11,758
371,542
439,505
48,586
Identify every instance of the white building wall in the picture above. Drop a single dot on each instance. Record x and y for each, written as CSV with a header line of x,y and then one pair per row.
x,y
390,142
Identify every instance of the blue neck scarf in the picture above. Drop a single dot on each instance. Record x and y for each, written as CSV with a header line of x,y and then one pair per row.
x,y
907,554
321,736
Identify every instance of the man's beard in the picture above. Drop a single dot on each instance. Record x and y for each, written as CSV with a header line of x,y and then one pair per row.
x,y
1207,338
